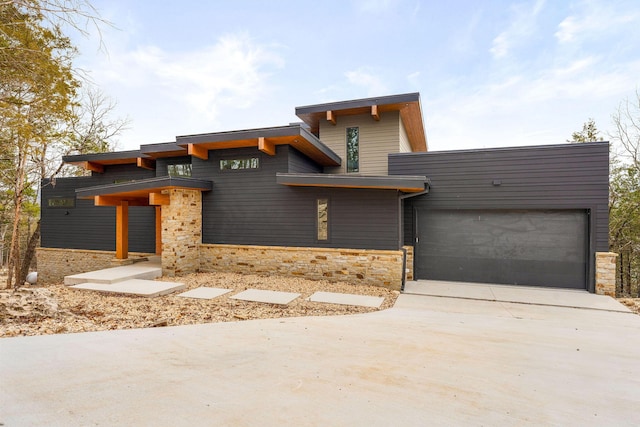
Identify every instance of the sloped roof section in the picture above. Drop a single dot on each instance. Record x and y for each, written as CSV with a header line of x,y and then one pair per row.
x,y
407,104
265,139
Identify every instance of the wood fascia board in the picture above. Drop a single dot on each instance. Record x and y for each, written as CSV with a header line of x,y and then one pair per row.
x,y
266,147
145,163
93,167
117,201
331,117
198,151
156,199
374,113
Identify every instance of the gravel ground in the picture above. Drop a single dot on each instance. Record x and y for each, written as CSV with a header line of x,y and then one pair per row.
x,y
632,303
57,309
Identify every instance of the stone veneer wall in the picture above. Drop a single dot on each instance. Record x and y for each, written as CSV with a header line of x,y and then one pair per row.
x,y
181,232
606,273
357,266
409,265
55,263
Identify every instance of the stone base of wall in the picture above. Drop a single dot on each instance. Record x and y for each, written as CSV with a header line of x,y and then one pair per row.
x,y
357,266
606,273
181,232
55,263
409,268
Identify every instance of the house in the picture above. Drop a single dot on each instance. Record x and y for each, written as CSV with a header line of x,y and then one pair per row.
x,y
349,193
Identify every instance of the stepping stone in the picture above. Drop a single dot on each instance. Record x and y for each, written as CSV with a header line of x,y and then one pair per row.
x,y
347,299
270,297
145,288
204,293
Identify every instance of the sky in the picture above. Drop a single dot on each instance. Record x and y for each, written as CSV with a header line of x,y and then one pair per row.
x,y
489,73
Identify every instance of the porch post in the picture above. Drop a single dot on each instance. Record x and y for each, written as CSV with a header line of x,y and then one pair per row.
x,y
122,230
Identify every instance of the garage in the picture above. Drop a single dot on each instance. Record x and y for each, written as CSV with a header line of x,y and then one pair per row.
x,y
517,247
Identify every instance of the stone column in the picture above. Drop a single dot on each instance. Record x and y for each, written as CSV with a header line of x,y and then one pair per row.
x,y
606,273
181,232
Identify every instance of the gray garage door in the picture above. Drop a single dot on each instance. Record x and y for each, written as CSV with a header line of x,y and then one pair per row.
x,y
534,248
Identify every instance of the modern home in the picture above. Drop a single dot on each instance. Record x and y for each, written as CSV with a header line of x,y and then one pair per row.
x,y
349,193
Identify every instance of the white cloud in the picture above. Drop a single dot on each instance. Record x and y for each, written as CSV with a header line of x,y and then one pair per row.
x,y
592,19
172,93
361,77
522,110
523,25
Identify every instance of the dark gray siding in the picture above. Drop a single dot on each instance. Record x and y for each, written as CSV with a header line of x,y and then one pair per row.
x,y
249,207
86,226
299,163
568,176
571,176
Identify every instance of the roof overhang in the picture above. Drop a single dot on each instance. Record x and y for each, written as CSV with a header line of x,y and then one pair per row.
x,y
264,139
142,192
404,183
97,161
407,104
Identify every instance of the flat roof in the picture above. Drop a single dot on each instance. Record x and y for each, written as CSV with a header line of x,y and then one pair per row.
x,y
110,158
142,187
405,183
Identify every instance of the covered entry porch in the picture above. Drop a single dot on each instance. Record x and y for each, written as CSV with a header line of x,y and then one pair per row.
x,y
178,216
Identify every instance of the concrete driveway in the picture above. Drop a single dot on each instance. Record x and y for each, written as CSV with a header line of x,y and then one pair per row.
x,y
431,360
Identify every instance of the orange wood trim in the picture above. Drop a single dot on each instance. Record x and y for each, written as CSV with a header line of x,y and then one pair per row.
x,y
115,201
198,151
122,230
331,116
158,230
146,163
374,113
266,146
93,167
158,199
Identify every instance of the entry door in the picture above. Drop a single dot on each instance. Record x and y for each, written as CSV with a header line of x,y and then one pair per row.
x,y
524,247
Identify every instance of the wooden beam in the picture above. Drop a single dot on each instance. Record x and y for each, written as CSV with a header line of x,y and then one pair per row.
x,y
266,146
197,151
158,230
115,201
331,116
145,163
122,230
374,113
93,167
156,199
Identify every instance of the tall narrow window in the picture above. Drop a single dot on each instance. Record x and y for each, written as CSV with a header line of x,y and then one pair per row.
x,y
323,219
353,150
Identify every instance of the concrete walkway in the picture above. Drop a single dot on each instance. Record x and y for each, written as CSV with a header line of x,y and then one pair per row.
x,y
427,361
518,294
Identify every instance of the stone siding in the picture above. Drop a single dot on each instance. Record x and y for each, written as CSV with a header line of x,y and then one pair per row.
x,y
357,266
409,264
181,232
55,263
606,273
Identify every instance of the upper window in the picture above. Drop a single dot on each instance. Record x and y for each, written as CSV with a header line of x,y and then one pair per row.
x,y
237,164
179,169
353,149
61,202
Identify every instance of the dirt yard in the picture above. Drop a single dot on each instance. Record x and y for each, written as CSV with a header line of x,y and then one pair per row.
x,y
57,309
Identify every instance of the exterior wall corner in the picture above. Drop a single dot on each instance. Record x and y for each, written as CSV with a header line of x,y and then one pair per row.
x,y
606,273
